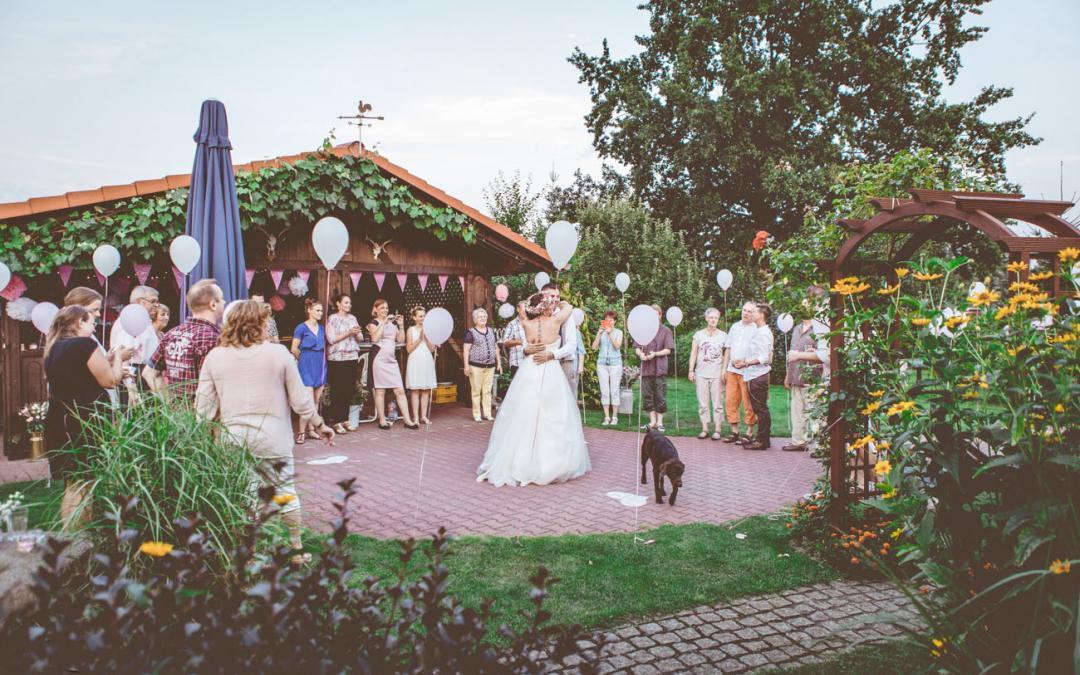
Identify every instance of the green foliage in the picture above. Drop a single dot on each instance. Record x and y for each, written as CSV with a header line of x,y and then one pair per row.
x,y
512,202
732,115
273,198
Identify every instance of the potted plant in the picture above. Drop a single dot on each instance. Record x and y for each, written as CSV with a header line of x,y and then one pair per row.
x,y
357,405
34,414
626,394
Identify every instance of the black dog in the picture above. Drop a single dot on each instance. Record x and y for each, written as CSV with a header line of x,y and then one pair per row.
x,y
665,462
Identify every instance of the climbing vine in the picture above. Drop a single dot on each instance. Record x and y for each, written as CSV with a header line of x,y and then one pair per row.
x,y
272,198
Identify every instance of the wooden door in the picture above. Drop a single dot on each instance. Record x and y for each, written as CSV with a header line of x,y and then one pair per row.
x,y
23,382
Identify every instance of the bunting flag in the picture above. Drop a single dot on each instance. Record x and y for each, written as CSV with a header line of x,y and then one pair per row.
x,y
401,280
461,280
65,274
142,272
15,288
423,281
100,278
276,276
355,276
123,284
303,274
249,274
442,281
179,276
380,277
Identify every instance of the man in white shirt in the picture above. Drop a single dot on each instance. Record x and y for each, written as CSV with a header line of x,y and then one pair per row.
x,y
567,351
756,368
737,347
142,346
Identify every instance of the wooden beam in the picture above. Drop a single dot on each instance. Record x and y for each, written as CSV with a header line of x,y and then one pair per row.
x,y
926,196
889,203
1012,208
1040,244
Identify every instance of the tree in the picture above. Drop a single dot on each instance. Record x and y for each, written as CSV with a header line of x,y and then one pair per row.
x,y
566,203
512,202
736,112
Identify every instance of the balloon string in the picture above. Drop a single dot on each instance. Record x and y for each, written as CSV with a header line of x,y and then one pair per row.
x,y
675,367
637,446
104,314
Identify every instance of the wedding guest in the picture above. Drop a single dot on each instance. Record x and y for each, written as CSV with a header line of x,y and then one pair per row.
x,y
250,385
159,321
309,349
482,360
79,375
756,367
706,360
419,367
567,351
737,347
178,359
514,339
388,332
343,339
579,356
87,298
142,346
803,364
654,370
271,326
609,366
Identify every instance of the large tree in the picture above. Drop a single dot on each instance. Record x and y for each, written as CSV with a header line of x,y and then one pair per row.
x,y
735,112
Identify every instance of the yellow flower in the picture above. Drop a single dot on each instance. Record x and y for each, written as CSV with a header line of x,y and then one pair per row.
x,y
901,272
862,442
1017,267
1040,276
882,467
850,286
1060,566
955,320
282,500
878,394
889,290
1017,286
970,394
896,533
1005,311
1068,254
884,445
927,277
869,410
938,643
983,298
920,321
156,548
1017,351
1059,408
890,494
902,406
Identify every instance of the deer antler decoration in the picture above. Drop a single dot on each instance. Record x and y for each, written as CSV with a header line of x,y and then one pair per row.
x,y
377,249
272,241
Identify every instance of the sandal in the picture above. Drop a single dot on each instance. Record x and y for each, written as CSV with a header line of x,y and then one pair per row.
x,y
340,429
301,438
414,425
386,425
425,420
313,435
703,435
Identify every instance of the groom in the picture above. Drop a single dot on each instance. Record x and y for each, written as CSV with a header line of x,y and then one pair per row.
x,y
567,351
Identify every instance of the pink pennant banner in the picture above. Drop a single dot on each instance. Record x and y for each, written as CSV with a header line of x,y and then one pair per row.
x,y
65,274
276,276
142,272
401,280
380,277
100,278
179,276
423,281
461,280
249,274
355,276
442,281
303,274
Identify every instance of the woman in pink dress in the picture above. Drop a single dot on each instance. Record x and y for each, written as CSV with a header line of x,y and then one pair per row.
x,y
388,332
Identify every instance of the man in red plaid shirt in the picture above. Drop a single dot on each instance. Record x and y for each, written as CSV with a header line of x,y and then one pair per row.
x,y
179,358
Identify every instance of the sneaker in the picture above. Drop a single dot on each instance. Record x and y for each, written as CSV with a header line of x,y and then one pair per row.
x,y
606,422
745,440
756,445
646,427
477,419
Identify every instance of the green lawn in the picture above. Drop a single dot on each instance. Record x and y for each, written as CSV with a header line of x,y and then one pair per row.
x,y
683,394
41,499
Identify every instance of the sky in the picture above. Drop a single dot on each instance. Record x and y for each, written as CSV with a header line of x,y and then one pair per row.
x,y
103,93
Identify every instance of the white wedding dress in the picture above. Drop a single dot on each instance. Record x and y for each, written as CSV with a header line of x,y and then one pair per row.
x,y
537,437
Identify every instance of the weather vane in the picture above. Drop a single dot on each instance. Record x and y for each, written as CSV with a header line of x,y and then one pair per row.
x,y
358,119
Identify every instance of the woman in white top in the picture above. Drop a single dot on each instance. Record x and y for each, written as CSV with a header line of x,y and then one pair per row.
x,y
706,368
420,366
250,385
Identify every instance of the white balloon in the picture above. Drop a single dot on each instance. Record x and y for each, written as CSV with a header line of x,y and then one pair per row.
x,y
622,281
785,322
438,324
674,316
228,308
330,239
724,278
561,241
643,323
578,315
185,253
542,279
42,316
134,319
106,259
506,310
977,287
5,276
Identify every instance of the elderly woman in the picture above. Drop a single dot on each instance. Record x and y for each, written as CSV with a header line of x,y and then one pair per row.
x,y
482,359
609,366
706,367
388,332
250,384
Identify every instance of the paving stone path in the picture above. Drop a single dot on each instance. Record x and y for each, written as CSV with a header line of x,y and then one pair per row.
x,y
784,629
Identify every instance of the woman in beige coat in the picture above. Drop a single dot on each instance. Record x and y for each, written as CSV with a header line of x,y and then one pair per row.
x,y
250,385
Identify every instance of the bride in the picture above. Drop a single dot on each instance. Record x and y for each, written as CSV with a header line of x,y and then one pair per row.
x,y
537,436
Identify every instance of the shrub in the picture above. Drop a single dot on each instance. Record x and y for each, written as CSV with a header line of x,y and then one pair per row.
x,y
266,616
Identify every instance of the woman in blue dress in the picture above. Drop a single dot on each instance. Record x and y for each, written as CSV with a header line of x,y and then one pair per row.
x,y
309,348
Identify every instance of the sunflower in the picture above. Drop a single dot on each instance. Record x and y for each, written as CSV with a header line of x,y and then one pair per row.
x,y
927,277
857,445
1040,276
901,272
878,394
902,406
1068,254
883,467
920,321
871,408
156,549
1017,267
889,290
1060,566
984,298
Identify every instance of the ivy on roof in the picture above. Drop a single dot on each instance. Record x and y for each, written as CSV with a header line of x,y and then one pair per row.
x,y
271,198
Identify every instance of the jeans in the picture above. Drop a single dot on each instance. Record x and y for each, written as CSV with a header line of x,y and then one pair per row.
x,y
759,402
610,384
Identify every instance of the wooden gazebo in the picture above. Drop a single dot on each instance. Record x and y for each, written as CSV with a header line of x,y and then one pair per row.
x,y
923,218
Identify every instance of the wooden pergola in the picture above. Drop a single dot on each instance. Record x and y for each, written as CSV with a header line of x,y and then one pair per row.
x,y
924,217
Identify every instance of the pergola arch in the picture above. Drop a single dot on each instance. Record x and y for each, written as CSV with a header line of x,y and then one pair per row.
x,y
926,216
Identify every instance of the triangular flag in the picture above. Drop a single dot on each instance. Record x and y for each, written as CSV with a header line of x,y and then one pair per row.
x,y
249,274
179,276
401,279
142,272
355,276
65,274
100,278
380,277
276,276
442,281
461,280
423,281
303,274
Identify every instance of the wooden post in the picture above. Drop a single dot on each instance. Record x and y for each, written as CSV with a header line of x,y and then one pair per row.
x,y
837,428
